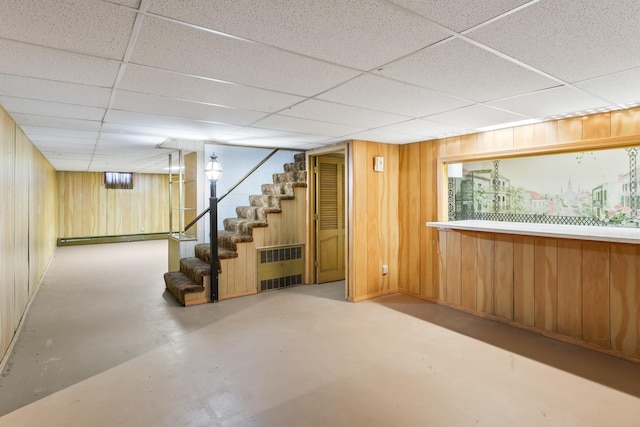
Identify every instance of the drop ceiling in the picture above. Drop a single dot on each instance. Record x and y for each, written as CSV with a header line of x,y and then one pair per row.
x,y
99,85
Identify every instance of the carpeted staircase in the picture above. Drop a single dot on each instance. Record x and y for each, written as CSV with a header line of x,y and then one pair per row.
x,y
189,285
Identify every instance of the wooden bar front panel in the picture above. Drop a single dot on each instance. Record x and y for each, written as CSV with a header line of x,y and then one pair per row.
x,y
584,290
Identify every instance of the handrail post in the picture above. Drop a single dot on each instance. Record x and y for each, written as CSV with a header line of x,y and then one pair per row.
x,y
213,230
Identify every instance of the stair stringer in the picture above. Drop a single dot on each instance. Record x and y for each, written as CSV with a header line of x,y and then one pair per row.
x,y
239,275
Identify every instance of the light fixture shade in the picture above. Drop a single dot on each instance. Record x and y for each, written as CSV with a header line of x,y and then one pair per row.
x,y
213,170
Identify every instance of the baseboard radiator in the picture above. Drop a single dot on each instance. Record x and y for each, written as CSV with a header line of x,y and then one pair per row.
x,y
280,267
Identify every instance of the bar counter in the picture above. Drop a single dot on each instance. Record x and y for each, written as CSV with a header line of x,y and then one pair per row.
x,y
615,234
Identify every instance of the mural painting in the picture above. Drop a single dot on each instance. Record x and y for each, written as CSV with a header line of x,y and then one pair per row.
x,y
597,188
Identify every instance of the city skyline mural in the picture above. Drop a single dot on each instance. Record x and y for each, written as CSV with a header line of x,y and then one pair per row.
x,y
596,188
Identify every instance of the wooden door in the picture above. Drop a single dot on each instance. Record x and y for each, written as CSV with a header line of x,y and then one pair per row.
x,y
329,218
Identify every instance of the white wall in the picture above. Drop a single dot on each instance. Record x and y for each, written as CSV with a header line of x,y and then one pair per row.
x,y
236,162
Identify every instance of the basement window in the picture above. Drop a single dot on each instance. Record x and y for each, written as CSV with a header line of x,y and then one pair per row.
x,y
118,180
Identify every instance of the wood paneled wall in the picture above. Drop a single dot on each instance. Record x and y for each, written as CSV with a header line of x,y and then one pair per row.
x,y
86,208
528,288
28,227
585,290
417,255
374,220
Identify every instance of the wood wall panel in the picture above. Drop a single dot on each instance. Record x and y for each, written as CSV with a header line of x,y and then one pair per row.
x,y
524,137
442,265
453,265
28,197
86,208
625,122
570,129
546,283
570,288
429,236
7,236
524,280
484,289
625,299
22,175
546,133
375,220
409,256
359,214
596,126
503,282
595,293
468,269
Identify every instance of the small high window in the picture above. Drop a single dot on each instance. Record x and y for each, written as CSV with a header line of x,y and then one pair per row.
x,y
118,180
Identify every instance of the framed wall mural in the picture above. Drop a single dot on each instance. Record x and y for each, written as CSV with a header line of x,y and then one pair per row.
x,y
596,188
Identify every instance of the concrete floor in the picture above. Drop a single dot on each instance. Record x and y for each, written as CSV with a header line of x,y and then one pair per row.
x,y
102,345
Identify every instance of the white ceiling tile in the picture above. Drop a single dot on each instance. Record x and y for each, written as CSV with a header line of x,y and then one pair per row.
x,y
341,114
476,116
425,129
53,109
359,33
32,131
619,88
571,40
63,140
209,55
40,62
158,82
161,106
380,135
305,126
550,102
271,143
142,140
71,166
47,90
459,15
461,69
249,132
170,127
96,27
379,93
28,120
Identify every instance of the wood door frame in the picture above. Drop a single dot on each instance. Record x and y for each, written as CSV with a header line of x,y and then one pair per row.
x,y
310,247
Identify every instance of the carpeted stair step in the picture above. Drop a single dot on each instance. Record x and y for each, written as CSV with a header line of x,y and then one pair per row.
x,y
288,177
188,280
256,213
243,226
227,245
283,191
179,284
299,157
264,200
295,166
195,269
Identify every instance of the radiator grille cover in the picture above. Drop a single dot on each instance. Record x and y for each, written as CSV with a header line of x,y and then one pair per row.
x,y
280,267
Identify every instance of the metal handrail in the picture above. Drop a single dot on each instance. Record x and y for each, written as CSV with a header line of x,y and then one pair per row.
x,y
206,211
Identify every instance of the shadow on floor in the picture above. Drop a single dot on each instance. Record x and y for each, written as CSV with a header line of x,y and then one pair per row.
x,y
610,371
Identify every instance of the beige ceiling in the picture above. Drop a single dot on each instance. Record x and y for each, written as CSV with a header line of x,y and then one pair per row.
x,y
97,85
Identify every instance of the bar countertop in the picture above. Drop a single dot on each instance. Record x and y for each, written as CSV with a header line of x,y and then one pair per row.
x,y
604,234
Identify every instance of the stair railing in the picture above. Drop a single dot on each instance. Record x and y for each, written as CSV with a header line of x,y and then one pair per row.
x,y
233,187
